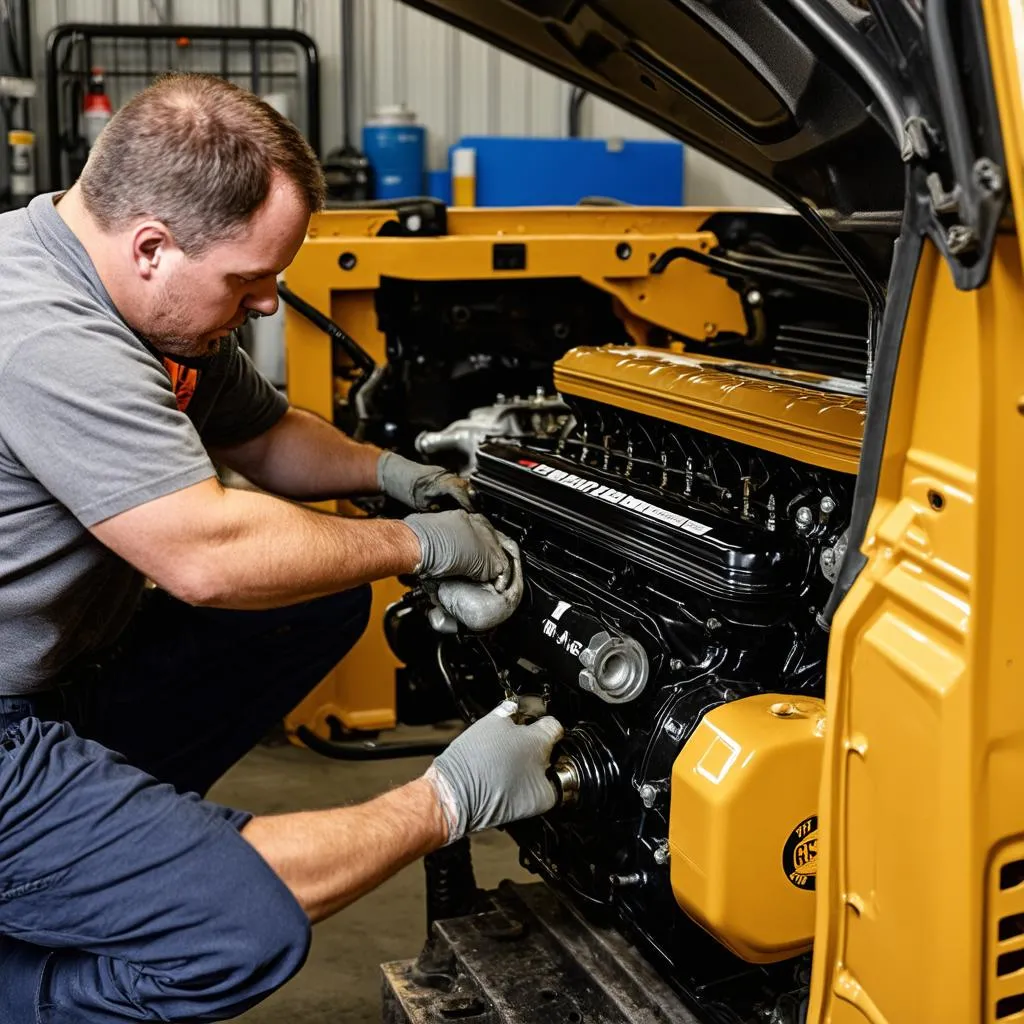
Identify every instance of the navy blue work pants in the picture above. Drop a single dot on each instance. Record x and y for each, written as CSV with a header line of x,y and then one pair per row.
x,y
124,896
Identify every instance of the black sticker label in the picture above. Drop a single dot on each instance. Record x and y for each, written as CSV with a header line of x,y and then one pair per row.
x,y
800,854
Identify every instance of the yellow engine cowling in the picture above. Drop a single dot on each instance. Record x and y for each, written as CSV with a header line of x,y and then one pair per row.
x,y
743,824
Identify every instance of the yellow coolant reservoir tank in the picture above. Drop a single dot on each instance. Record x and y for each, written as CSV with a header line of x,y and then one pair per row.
x,y
743,828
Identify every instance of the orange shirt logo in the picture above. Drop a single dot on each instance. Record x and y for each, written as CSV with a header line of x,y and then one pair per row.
x,y
183,382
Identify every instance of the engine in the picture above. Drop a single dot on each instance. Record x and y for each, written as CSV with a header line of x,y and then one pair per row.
x,y
681,523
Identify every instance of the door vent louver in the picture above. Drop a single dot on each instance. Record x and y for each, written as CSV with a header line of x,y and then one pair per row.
x,y
1005,937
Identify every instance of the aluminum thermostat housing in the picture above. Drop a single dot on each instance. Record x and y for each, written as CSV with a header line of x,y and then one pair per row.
x,y
615,668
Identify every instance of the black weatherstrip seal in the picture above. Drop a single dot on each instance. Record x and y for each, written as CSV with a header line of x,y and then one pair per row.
x,y
906,260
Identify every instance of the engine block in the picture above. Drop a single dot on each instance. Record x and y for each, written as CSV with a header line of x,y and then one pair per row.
x,y
672,570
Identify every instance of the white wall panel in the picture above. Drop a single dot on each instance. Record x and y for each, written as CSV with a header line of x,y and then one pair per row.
x,y
708,183
426,80
455,83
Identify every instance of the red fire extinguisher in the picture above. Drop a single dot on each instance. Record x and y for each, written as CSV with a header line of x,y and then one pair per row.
x,y
96,110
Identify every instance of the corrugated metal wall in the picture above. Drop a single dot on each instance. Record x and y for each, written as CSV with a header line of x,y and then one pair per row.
x,y
456,84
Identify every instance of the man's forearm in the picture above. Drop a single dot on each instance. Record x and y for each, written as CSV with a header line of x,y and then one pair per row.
x,y
306,458
214,546
330,858
268,552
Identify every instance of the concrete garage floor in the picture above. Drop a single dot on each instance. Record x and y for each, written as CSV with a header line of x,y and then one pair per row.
x,y
339,983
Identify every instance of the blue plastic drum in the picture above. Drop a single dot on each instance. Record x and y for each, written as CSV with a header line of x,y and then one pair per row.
x,y
395,145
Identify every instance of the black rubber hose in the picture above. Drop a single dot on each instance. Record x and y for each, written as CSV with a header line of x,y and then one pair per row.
x,y
359,356
365,750
906,257
732,268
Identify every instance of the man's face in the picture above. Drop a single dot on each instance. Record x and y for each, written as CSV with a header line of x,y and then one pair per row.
x,y
195,303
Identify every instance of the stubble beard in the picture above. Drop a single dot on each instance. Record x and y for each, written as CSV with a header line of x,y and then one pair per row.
x,y
169,328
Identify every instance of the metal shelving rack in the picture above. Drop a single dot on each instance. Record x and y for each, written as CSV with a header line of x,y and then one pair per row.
x,y
17,90
265,60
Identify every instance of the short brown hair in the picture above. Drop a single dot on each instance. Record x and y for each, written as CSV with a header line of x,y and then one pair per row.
x,y
197,153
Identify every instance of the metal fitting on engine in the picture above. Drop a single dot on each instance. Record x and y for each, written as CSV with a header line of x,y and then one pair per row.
x,y
832,558
650,793
567,779
538,414
615,668
628,881
584,772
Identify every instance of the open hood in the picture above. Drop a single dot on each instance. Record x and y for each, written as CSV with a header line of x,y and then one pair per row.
x,y
735,79
826,102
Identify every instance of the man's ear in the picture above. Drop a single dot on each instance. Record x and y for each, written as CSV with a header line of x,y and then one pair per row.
x,y
151,243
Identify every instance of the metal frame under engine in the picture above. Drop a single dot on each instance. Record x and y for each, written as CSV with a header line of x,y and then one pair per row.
x,y
528,956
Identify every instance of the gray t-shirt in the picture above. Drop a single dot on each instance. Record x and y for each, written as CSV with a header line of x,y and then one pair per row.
x,y
89,427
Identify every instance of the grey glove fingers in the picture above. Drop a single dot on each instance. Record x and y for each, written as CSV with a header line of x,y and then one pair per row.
x,y
545,732
434,482
483,606
525,751
455,487
552,729
457,544
419,486
477,606
495,772
453,779
514,568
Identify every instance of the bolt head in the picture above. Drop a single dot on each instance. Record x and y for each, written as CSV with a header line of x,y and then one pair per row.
x,y
661,854
675,664
648,795
588,681
754,297
988,176
828,506
712,624
960,238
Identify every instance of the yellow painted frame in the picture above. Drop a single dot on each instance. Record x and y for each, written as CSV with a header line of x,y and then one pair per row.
x,y
921,792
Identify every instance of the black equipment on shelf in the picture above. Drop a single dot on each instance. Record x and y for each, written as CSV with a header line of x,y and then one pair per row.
x,y
16,92
264,60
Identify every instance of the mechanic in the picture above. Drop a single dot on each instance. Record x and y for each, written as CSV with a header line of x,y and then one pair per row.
x,y
124,895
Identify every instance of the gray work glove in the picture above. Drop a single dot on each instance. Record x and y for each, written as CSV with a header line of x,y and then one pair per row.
x,y
458,544
495,772
420,486
480,606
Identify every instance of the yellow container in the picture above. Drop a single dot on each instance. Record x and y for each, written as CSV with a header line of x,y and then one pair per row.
x,y
464,176
743,827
